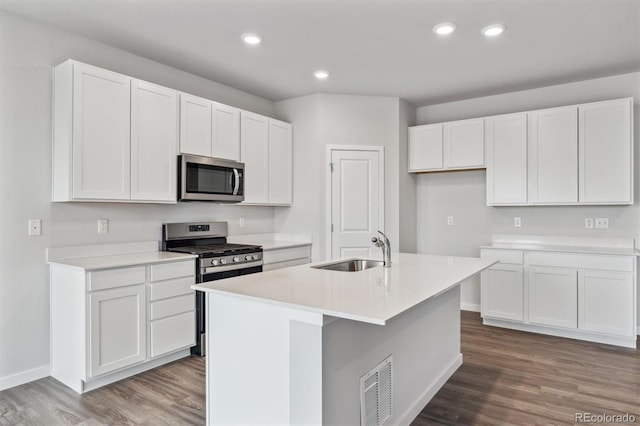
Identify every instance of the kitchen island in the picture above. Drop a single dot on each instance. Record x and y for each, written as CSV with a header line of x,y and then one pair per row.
x,y
290,346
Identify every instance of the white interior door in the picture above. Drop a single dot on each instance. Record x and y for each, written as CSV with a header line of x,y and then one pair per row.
x,y
357,201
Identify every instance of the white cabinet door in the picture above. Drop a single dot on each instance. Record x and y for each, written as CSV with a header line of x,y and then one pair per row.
x,y
464,143
553,296
280,162
553,155
503,292
425,148
154,142
195,125
506,139
117,329
226,132
101,134
254,149
606,152
606,302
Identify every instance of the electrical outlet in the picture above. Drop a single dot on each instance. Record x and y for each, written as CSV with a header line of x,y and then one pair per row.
x,y
517,222
449,220
588,222
602,223
241,222
103,226
35,227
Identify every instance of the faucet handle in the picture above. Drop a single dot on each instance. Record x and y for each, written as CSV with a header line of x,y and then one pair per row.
x,y
374,240
386,240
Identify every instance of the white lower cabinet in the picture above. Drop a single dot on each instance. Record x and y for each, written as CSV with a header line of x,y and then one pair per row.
x,y
117,328
503,292
553,296
112,323
599,297
569,294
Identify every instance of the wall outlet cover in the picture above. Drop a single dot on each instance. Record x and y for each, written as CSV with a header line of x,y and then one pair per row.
x,y
103,226
517,222
449,220
588,222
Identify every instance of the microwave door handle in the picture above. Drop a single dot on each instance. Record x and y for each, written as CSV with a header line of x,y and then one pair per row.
x,y
236,179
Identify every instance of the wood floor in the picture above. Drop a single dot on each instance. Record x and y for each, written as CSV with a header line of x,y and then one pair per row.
x,y
508,377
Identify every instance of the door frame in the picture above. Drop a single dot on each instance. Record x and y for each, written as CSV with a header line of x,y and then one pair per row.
x,y
328,211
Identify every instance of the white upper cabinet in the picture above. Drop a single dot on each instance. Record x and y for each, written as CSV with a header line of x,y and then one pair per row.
x,y
225,140
464,144
280,162
425,148
195,125
553,155
447,146
101,132
208,128
506,155
266,147
606,152
254,146
154,141
114,138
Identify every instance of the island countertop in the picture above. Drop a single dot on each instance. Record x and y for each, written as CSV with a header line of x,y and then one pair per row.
x,y
373,296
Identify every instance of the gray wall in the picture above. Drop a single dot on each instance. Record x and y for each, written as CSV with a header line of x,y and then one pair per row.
x,y
322,119
462,194
28,51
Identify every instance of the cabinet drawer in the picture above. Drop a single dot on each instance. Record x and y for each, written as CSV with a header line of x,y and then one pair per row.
x,y
171,288
173,306
173,333
283,255
112,278
582,261
514,257
166,271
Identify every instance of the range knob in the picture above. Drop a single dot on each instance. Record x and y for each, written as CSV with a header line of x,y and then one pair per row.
x,y
236,259
248,257
255,257
214,262
223,261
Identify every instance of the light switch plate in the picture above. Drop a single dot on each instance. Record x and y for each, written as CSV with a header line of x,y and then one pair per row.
x,y
35,227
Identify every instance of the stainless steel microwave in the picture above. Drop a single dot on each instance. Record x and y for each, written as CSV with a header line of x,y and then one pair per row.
x,y
210,179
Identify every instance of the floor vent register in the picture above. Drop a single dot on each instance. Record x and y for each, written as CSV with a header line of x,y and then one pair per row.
x,y
376,394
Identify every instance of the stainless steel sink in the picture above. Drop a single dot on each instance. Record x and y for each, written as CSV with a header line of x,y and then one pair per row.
x,y
351,265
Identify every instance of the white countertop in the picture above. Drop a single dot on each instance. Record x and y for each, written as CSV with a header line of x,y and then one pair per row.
x,y
619,251
121,260
272,241
373,296
115,255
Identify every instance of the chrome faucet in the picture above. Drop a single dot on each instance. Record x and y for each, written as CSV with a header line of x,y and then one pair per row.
x,y
386,248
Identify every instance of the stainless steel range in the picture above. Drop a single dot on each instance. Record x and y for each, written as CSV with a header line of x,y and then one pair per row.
x,y
216,260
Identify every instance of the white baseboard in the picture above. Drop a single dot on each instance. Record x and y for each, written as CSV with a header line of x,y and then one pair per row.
x,y
24,377
433,388
473,307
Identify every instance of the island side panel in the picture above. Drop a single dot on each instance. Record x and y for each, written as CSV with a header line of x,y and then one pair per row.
x,y
424,342
253,350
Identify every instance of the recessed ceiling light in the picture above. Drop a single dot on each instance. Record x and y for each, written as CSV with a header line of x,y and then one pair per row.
x,y
251,39
321,74
493,30
445,28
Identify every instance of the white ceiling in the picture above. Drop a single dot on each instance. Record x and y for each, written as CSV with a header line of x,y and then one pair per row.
x,y
370,47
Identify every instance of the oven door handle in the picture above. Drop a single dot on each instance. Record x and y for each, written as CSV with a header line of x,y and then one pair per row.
x,y
214,269
236,179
